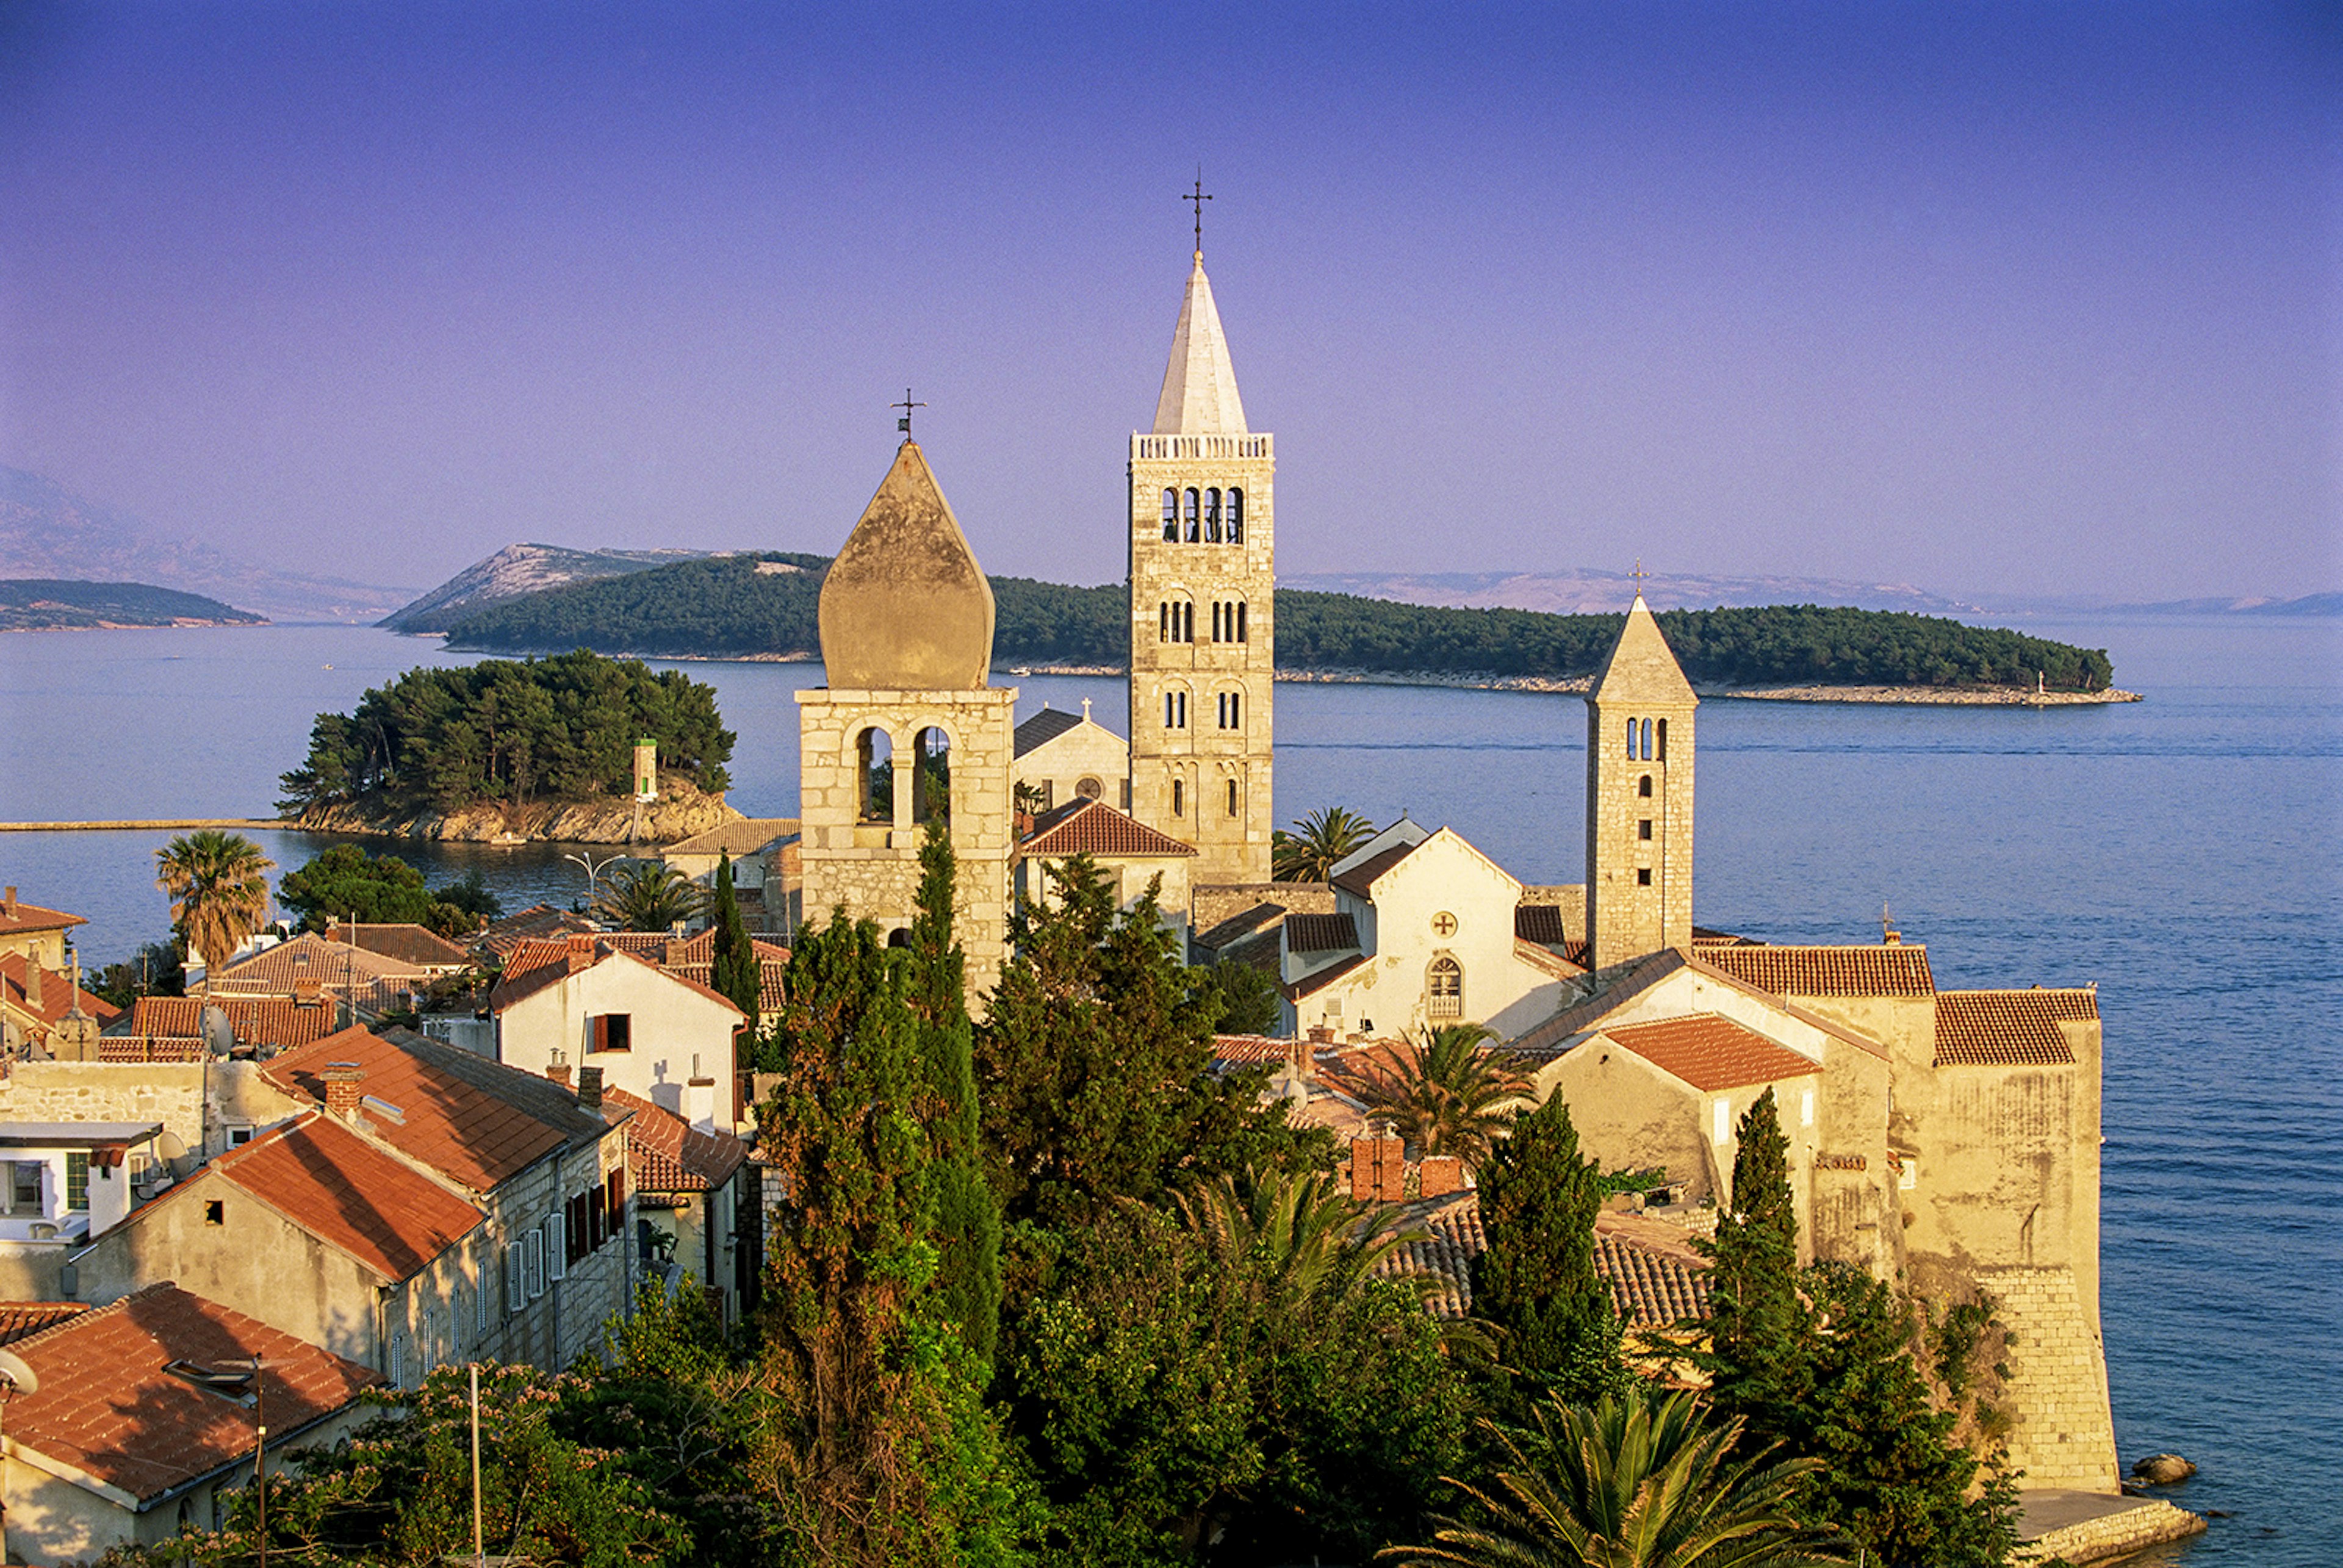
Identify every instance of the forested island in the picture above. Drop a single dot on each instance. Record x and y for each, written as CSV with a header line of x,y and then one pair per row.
x,y
62,604
525,736
726,607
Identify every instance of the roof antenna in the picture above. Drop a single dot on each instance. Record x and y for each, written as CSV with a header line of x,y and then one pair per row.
x,y
1197,201
904,424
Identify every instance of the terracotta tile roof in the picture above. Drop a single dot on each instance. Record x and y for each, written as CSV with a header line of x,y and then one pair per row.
x,y
108,1408
536,964
744,837
1311,984
309,957
1539,923
1624,982
1362,877
1081,827
474,1120
2009,1028
338,1187
1248,1049
409,944
1655,1282
1242,924
538,920
671,1155
1880,970
57,993
19,1319
1711,1052
1321,933
1043,727
273,1020
18,918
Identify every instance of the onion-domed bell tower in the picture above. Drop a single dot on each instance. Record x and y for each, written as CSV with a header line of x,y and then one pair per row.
x,y
1204,623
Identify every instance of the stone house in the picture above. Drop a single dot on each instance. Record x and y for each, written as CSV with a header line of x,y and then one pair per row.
x,y
43,1010
406,941
593,1002
174,1028
37,933
145,1419
767,868
1132,855
61,1184
308,966
423,1207
697,1213
1061,758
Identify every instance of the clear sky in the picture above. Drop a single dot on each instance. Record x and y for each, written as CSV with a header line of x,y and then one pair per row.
x,y
1985,297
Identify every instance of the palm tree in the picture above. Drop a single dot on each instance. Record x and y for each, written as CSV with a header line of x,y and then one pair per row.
x,y
1444,1094
1642,1482
1295,1239
1325,837
218,885
647,896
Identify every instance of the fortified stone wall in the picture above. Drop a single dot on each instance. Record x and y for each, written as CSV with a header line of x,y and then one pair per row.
x,y
2057,1390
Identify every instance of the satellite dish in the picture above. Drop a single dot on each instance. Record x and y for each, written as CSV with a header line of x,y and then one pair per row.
x,y
20,1378
219,1035
171,1146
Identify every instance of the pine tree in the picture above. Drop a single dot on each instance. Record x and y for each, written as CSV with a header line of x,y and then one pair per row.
x,y
735,972
1757,1327
968,1219
1537,1281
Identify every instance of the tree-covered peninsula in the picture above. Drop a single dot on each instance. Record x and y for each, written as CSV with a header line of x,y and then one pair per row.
x,y
747,605
508,733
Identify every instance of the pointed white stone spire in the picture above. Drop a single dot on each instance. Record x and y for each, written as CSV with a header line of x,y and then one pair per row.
x,y
1199,386
1641,668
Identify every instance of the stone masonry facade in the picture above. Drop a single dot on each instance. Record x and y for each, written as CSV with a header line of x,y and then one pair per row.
x,y
1639,825
2058,1382
869,862
1203,648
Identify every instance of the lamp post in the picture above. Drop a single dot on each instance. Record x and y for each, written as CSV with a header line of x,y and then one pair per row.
x,y
593,872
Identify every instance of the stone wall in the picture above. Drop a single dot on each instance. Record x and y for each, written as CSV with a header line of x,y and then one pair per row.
x,y
1638,888
2057,1388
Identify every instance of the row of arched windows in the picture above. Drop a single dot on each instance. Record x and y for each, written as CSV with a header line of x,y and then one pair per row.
x,y
1228,709
1208,516
1228,620
1646,744
931,766
1175,621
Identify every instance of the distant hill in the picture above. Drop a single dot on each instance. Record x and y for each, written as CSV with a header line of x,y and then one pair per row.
x,y
46,531
54,603
1587,591
519,570
766,606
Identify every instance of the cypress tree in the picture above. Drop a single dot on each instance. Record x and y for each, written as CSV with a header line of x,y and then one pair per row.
x,y
1537,1281
1757,1327
734,970
968,1219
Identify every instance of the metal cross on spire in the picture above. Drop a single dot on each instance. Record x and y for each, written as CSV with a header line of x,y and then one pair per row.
x,y
1639,574
904,424
1197,200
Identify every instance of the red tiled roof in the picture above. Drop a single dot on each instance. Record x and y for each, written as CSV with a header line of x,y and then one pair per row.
x,y
148,1049
408,943
539,963
1311,984
538,920
1710,1051
309,957
1653,1283
19,1319
1900,969
19,918
1626,981
338,1187
2009,1028
671,1155
743,836
1362,877
475,1135
57,993
108,1408
278,1020
1321,933
1247,1050
1083,827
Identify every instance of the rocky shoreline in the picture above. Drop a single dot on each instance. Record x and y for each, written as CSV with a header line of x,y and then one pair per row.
x,y
606,821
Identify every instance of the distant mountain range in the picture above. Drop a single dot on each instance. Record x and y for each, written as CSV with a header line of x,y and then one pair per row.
x,y
47,532
519,570
1588,592
51,604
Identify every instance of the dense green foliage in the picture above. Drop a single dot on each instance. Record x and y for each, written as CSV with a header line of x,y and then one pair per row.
x,y
1319,841
1444,1094
342,881
447,736
57,604
724,607
733,969
218,886
1247,997
156,969
1559,1331
1641,1479
650,896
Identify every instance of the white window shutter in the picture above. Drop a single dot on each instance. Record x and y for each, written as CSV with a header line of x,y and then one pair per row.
x,y
533,1254
556,1245
516,1277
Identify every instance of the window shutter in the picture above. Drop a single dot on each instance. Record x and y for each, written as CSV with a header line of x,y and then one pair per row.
x,y
516,1277
617,1194
533,1258
597,1215
399,1360
556,1245
598,1032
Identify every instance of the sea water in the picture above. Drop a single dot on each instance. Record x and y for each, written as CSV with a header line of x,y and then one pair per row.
x,y
2181,852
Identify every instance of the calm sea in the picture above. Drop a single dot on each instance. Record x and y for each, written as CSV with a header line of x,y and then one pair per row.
x,y
2182,852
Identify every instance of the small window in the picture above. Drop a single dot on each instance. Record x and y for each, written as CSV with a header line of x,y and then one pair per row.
x,y
399,1360
874,757
1240,620
77,1183
1647,740
1443,989
1233,797
516,1277
1643,829
1163,621
1179,797
1236,520
1089,788
25,1186
556,1245
1642,876
1213,517
1195,508
1644,786
1171,515
613,1032
1661,754
215,1212
532,1253
1631,740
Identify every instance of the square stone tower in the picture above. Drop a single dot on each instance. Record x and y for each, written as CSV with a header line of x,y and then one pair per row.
x,y
1639,776
908,727
1203,625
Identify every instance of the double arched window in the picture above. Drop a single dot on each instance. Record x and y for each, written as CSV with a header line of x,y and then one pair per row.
x,y
1443,989
1231,711
1175,709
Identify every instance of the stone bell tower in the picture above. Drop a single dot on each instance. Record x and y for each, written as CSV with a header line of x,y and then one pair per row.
x,y
1204,623
908,727
1639,775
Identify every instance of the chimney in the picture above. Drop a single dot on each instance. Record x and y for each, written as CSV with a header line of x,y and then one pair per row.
x,y
307,989
1302,1059
673,950
590,1087
581,952
12,900
342,1081
1322,1034
33,983
559,1073
700,1103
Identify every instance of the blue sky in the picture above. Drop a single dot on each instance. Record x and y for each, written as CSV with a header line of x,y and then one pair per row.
x,y
1988,298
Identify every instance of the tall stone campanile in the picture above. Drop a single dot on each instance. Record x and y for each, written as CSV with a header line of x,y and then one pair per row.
x,y
1639,775
1203,624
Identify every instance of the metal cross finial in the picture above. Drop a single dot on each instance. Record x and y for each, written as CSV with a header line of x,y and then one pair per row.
x,y
1639,574
904,424
1198,201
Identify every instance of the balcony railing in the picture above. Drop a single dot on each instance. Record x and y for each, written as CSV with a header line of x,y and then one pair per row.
x,y
1201,447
